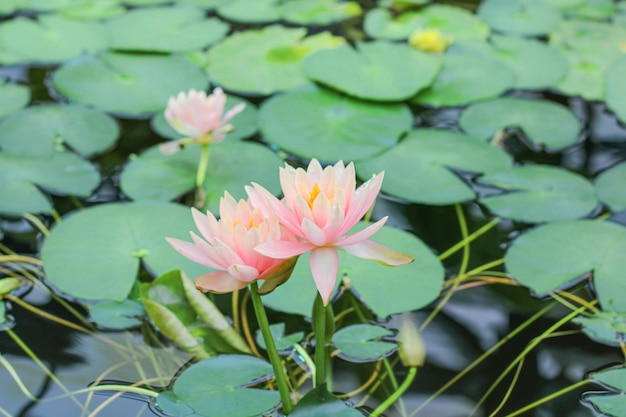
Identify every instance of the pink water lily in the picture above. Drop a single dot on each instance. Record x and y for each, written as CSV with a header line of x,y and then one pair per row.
x,y
200,118
227,245
319,207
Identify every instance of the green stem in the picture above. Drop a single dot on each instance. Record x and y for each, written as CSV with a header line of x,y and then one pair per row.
x,y
201,173
549,397
397,394
319,325
469,238
270,346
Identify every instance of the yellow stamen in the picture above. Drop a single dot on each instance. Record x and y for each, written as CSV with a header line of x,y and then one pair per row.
x,y
314,193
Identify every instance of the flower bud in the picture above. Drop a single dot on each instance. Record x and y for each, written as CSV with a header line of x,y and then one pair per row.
x,y
412,350
429,40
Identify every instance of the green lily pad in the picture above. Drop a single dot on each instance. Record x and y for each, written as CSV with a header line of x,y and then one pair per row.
x,y
402,292
144,2
318,12
593,9
165,29
610,187
536,64
616,88
217,387
250,11
125,83
9,284
232,165
95,253
283,342
92,9
276,53
320,403
611,405
41,130
585,77
117,314
50,39
452,22
598,39
12,97
62,173
557,255
463,79
539,193
520,17
244,123
203,4
322,124
379,71
606,327
546,124
612,377
361,342
433,154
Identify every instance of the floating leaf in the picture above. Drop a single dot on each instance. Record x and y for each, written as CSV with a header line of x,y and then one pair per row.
x,y
244,123
125,83
318,12
331,127
433,154
611,405
613,402
610,187
50,39
203,4
361,342
232,165
250,11
92,9
379,23
39,131
217,387
616,88
555,255
462,77
95,253
320,403
10,284
380,71
604,327
61,173
612,377
165,29
539,193
520,17
536,64
12,97
585,77
276,54
117,314
593,9
407,287
283,342
545,123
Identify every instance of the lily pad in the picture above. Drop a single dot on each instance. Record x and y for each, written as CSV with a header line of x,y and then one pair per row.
x,y
612,402
276,53
12,97
232,165
217,387
611,405
616,88
585,77
125,83
165,29
50,39
361,342
520,17
546,124
402,290
319,12
593,9
203,4
250,11
41,130
434,154
117,314
320,403
322,124
539,193
61,173
612,377
537,65
557,255
379,71
452,22
462,77
95,253
611,189
283,342
92,9
606,327
244,123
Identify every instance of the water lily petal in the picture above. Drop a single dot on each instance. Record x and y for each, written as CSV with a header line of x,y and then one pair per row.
x,y
313,233
191,251
283,249
324,263
206,224
219,282
243,273
362,235
377,252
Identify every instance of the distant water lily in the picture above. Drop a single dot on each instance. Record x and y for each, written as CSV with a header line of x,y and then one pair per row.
x,y
429,40
319,208
228,247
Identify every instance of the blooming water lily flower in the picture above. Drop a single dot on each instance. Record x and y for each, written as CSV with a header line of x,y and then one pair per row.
x,y
227,245
429,40
320,206
200,118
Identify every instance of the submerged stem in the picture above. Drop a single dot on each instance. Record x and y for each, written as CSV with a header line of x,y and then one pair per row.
x,y
270,346
201,174
319,325
397,394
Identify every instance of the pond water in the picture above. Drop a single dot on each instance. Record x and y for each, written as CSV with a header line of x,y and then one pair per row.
x,y
449,129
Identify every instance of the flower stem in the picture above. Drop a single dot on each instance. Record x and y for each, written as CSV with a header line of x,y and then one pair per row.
x,y
397,394
201,174
272,352
319,325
